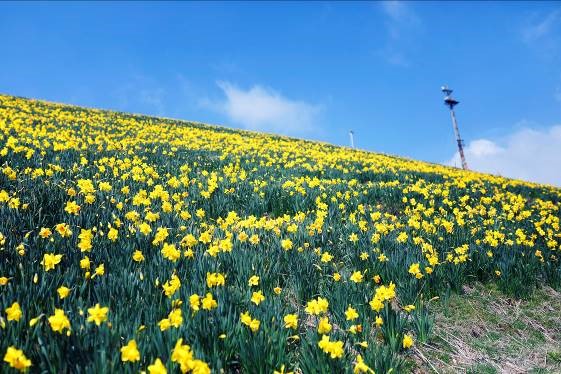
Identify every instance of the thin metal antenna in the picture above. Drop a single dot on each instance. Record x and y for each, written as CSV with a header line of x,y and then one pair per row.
x,y
351,135
451,103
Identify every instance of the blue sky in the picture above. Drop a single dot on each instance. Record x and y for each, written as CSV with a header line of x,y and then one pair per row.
x,y
311,70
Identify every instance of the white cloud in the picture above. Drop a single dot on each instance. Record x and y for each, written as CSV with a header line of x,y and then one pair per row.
x,y
527,154
264,109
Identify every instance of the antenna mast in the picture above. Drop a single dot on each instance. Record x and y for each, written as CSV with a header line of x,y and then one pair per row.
x,y
451,103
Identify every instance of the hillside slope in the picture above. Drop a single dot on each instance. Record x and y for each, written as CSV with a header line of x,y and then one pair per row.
x,y
137,243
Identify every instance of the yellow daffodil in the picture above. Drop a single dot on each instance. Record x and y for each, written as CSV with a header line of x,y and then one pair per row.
x,y
16,359
351,313
157,367
324,327
291,321
97,314
63,292
50,260
14,312
407,341
257,297
129,352
59,321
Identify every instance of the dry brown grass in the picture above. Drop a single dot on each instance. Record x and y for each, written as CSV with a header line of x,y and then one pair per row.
x,y
483,331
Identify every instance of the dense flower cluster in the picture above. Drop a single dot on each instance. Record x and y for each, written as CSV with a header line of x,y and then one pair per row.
x,y
132,243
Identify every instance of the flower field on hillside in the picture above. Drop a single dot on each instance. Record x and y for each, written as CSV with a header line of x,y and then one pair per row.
x,y
132,243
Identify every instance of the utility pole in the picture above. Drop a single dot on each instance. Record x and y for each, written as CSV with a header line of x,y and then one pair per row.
x,y
451,103
351,135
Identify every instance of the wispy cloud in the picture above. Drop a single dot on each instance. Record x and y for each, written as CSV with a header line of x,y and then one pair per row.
x,y
542,34
264,109
142,94
540,27
557,94
402,25
528,154
399,15
153,97
557,91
